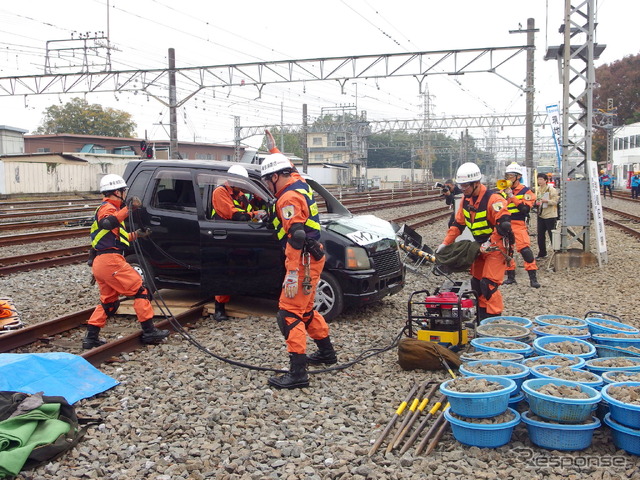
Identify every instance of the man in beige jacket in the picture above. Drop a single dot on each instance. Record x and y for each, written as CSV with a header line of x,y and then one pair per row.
x,y
547,207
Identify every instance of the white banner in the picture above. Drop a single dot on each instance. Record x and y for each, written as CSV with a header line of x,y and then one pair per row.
x,y
596,204
553,113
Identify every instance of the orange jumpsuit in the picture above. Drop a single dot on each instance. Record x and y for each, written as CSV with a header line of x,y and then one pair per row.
x,y
113,274
481,214
298,312
522,196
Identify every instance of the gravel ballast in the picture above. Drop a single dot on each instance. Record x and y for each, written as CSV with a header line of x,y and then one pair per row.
x,y
181,414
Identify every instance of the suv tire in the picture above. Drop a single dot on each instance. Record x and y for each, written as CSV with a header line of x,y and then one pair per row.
x,y
329,301
146,274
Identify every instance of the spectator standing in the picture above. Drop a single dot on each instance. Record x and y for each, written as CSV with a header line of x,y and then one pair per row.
x,y
451,193
605,182
635,185
547,208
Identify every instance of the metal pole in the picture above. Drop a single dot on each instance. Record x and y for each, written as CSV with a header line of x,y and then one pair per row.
x,y
528,156
173,117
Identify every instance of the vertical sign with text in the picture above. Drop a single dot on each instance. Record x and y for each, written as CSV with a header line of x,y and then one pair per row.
x,y
596,204
553,113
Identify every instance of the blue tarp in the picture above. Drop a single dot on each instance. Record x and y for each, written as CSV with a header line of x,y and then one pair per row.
x,y
57,373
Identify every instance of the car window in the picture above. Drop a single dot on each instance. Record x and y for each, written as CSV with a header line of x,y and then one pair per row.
x,y
207,182
173,190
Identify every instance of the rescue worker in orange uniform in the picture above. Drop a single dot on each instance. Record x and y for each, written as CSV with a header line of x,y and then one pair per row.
x,y
485,214
230,203
521,200
113,274
298,228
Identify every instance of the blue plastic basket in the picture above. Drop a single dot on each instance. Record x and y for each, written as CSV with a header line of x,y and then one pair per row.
x,y
578,362
624,413
516,332
514,400
515,357
521,347
516,377
596,383
555,436
594,366
613,326
613,377
628,439
539,345
481,404
569,410
482,435
541,333
602,339
549,320
521,321
605,351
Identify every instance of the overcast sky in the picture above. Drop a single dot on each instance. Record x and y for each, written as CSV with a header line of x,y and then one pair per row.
x,y
218,33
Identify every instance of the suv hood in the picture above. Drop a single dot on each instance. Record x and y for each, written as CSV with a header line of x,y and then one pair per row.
x,y
368,231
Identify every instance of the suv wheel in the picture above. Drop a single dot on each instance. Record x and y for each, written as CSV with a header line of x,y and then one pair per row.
x,y
328,301
137,266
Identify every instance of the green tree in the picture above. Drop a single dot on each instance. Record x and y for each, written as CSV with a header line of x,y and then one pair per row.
x,y
80,118
620,81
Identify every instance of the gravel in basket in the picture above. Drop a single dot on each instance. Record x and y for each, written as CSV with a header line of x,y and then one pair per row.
x,y
489,432
614,377
486,344
607,351
604,325
510,332
628,439
542,330
613,364
560,400
570,374
624,402
491,355
478,397
560,436
563,345
561,320
621,340
506,320
560,360
515,371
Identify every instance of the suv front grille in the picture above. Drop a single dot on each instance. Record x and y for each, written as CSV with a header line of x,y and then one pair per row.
x,y
387,263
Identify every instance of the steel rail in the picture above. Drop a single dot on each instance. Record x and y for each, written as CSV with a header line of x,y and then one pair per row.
x,y
34,237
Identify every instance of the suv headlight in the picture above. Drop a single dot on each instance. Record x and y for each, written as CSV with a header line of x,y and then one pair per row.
x,y
357,259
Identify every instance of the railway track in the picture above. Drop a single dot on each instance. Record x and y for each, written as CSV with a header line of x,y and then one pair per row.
x,y
622,226
50,258
66,324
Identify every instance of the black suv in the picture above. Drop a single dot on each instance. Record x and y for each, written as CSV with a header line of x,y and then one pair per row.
x,y
190,250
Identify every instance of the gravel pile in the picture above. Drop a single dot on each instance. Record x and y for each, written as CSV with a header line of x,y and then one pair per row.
x,y
180,414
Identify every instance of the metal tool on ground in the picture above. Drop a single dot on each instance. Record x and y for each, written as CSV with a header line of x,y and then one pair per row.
x,y
432,430
423,424
411,419
412,408
437,437
393,420
443,316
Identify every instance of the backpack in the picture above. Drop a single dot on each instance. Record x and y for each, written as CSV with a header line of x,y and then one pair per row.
x,y
10,402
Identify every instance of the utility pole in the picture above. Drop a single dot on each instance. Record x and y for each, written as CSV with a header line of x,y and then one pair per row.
x,y
173,117
305,146
529,89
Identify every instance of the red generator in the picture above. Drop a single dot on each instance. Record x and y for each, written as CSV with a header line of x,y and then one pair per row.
x,y
443,316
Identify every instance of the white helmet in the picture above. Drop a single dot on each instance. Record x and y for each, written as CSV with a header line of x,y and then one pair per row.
x,y
275,162
238,170
111,183
468,172
513,167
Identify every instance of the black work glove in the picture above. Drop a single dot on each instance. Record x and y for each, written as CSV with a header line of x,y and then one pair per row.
x,y
143,233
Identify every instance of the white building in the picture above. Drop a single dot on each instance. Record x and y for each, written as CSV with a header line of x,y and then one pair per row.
x,y
626,153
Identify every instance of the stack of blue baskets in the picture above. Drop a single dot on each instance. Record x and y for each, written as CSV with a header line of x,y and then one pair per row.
x,y
624,419
481,405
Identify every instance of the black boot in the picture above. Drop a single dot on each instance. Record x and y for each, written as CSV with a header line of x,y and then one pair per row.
x,y
297,376
150,334
482,313
511,277
220,314
533,279
325,354
91,339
